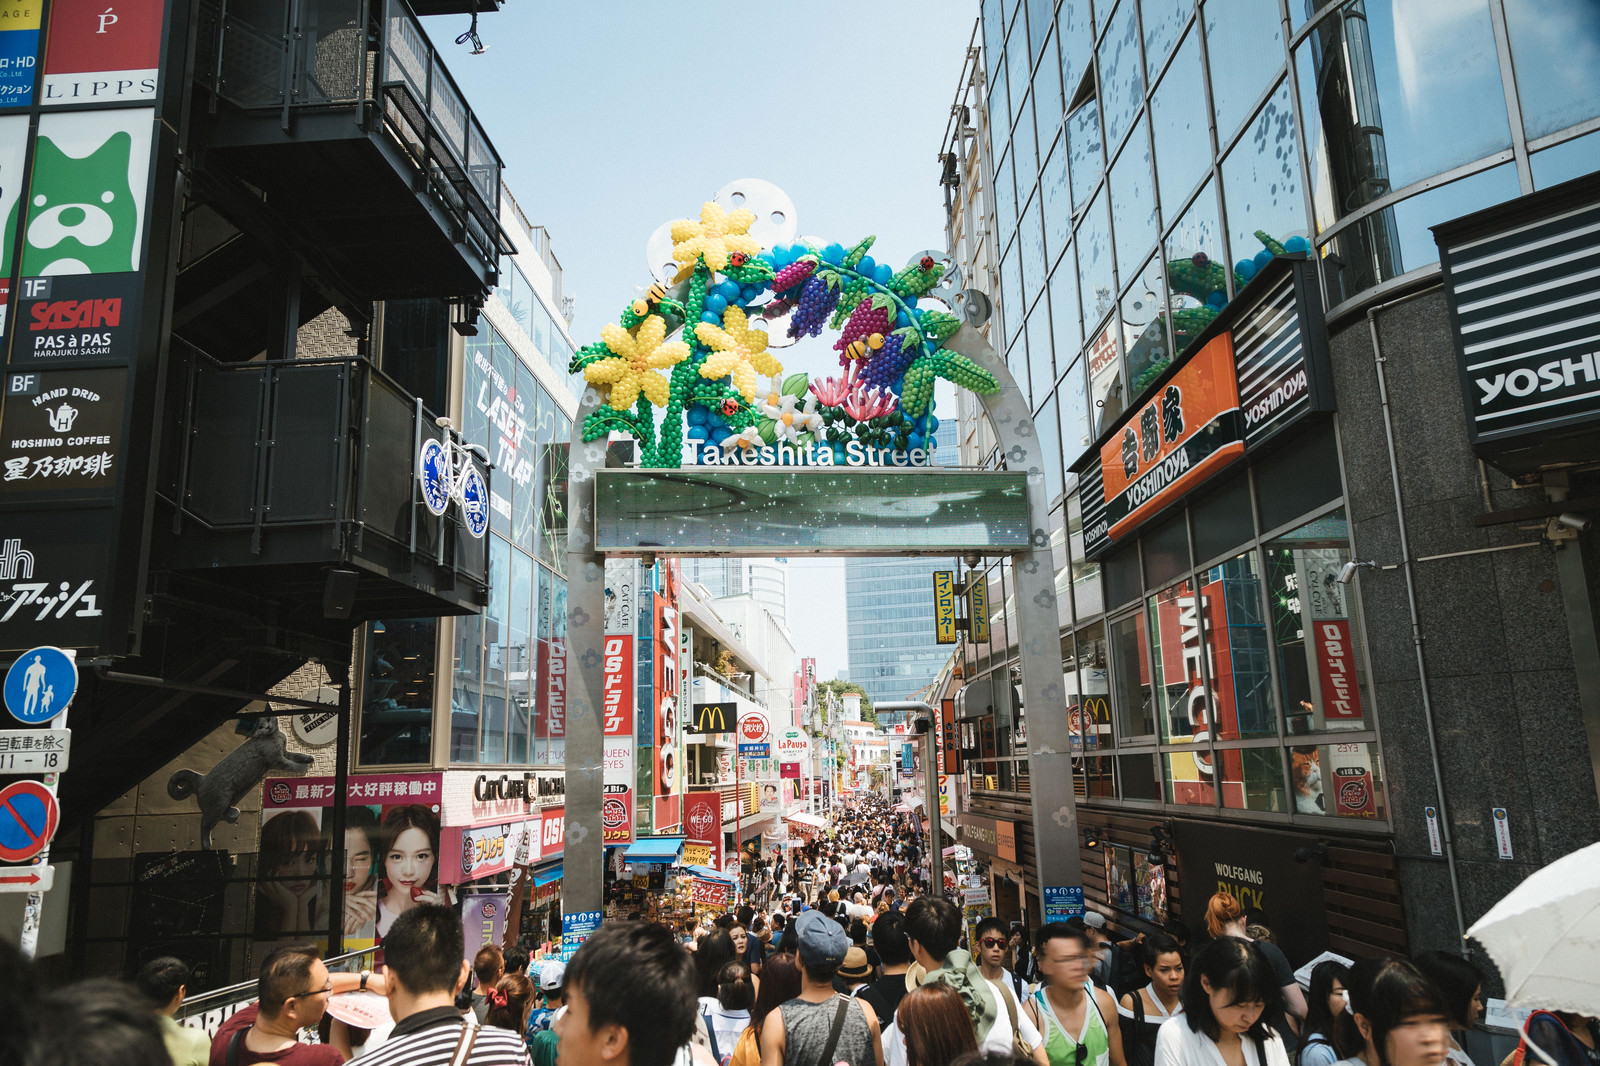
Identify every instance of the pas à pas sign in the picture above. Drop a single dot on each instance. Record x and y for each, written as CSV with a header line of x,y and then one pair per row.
x,y
855,454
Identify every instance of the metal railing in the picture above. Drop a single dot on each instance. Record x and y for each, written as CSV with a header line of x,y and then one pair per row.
x,y
209,1010
290,56
269,445
1006,775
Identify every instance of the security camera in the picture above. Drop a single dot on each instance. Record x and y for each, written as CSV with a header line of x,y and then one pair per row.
x,y
973,560
1578,522
1347,572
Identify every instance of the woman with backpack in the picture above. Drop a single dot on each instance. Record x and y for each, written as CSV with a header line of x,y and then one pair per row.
x,y
1141,1012
1321,1043
1396,1018
1229,992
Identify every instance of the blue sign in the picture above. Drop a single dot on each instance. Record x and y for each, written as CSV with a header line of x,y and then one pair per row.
x,y
433,470
575,929
1062,902
474,502
19,50
40,684
760,751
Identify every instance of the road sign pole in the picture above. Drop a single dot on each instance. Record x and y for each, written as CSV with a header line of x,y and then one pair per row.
x,y
33,907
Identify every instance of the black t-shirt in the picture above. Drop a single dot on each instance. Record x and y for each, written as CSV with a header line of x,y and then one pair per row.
x,y
1283,976
884,996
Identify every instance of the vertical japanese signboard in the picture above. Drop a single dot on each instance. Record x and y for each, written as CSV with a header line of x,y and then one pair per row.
x,y
944,606
80,229
978,608
618,748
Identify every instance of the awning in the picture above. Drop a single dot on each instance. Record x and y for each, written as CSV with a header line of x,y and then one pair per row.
x,y
544,877
711,873
903,807
805,818
654,849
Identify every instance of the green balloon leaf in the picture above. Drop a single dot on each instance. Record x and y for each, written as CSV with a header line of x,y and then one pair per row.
x,y
589,353
753,271
857,253
938,325
795,385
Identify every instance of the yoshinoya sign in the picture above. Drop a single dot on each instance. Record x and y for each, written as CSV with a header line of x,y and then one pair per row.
x,y
1522,290
1260,368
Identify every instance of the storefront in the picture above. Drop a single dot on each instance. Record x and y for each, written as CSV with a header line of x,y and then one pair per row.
x,y
498,839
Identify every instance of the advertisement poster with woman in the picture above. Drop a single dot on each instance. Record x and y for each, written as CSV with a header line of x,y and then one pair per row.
x,y
390,862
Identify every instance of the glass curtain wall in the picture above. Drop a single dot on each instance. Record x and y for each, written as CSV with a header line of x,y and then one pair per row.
x,y
1148,157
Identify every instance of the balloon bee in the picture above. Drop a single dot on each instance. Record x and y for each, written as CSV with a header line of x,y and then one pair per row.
x,y
862,347
652,296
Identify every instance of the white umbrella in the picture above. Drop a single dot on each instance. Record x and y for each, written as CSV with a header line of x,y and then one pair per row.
x,y
1545,936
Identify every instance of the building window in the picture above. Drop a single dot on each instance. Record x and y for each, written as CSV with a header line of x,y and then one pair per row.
x,y
1133,704
1394,93
397,697
1262,187
1555,45
1244,43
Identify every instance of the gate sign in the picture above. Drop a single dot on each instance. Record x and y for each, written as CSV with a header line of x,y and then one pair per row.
x,y
28,816
40,684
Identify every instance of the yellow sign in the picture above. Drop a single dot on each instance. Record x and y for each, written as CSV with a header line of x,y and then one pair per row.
x,y
978,609
697,855
944,793
714,717
944,606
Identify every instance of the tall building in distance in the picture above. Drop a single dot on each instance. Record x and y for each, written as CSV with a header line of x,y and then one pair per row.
x,y
765,579
889,613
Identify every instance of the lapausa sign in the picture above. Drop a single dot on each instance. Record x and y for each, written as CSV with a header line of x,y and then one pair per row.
x,y
1522,290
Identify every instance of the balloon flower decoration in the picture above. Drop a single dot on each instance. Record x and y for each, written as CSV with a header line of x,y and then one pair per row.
x,y
693,350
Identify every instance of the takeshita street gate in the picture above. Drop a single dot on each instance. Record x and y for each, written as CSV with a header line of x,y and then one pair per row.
x,y
744,460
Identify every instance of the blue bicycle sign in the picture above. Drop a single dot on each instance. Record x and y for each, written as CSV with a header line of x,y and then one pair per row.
x,y
446,472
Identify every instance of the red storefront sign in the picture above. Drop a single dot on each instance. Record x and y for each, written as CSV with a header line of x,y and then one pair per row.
x,y
1341,695
618,703
616,815
702,822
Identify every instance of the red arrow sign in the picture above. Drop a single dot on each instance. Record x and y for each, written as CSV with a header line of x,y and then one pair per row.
x,y
29,878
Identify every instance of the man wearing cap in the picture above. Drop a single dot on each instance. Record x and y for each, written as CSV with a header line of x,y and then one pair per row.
x,y
1105,951
551,977
820,1025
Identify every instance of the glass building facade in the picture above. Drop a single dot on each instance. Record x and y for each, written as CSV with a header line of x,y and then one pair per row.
x,y
503,670
892,650
1142,161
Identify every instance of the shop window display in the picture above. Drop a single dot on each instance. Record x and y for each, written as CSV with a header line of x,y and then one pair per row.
x,y
1239,650
1343,780
1315,629
1133,696
1134,884
397,707
1252,779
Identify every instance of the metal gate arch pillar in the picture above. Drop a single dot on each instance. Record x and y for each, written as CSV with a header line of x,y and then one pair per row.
x,y
1055,822
1053,800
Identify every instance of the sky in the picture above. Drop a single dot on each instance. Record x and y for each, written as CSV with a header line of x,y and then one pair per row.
x,y
614,116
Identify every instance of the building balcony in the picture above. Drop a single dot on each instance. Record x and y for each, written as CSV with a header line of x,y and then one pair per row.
x,y
340,120
274,474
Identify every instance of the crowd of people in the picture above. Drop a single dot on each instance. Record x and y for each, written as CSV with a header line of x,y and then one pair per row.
x,y
843,958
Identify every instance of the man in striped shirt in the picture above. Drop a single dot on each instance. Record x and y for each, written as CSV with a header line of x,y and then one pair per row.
x,y
425,970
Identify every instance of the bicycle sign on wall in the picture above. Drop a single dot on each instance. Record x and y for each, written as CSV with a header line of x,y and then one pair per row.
x,y
446,472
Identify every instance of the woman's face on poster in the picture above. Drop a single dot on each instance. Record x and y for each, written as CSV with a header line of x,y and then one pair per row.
x,y
358,860
409,862
298,869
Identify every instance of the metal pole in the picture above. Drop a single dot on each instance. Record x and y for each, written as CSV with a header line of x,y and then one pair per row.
x,y
341,786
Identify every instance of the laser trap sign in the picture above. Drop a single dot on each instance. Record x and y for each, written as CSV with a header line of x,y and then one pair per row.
x,y
40,684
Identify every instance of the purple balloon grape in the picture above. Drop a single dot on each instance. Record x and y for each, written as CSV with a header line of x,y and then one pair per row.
x,y
889,364
817,300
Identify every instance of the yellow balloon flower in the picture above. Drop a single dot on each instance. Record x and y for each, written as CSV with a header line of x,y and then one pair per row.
x,y
717,235
738,350
629,370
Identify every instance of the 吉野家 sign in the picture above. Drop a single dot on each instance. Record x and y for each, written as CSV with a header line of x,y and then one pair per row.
x,y
944,606
714,717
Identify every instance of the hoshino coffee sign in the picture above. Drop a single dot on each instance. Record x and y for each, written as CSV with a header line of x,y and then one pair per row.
x,y
1523,293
